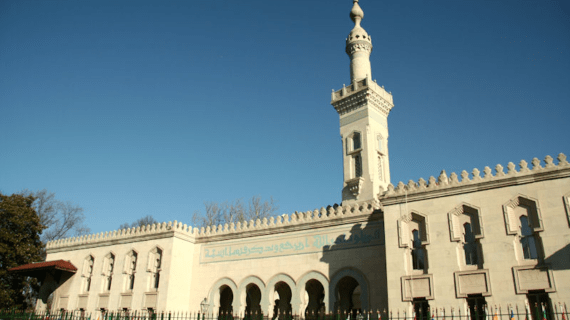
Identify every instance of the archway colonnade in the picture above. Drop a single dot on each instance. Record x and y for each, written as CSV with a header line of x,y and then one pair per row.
x,y
281,295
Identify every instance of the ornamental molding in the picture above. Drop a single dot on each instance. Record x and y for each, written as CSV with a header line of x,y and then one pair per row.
x,y
358,46
355,186
466,183
359,99
319,218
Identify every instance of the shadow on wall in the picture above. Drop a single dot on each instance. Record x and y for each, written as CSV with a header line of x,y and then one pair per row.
x,y
357,269
559,260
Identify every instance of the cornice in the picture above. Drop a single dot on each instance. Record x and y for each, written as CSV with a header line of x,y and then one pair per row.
x,y
334,216
325,217
362,217
359,95
444,186
85,244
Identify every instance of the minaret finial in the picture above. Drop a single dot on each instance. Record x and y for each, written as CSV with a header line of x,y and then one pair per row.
x,y
358,46
356,14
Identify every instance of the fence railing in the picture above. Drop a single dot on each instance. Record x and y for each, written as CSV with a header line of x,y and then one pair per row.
x,y
487,312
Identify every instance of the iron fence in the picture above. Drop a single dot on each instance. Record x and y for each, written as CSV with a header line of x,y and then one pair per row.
x,y
488,312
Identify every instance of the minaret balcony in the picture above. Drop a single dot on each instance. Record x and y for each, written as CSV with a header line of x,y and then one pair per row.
x,y
355,186
361,93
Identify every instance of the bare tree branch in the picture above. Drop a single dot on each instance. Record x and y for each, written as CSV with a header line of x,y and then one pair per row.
x,y
61,219
144,221
234,211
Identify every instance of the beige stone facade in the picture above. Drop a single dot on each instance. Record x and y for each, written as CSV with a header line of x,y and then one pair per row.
x,y
497,236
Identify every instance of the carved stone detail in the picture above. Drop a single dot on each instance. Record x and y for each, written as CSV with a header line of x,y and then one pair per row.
x,y
355,186
358,46
360,94
533,278
511,222
443,182
475,219
420,286
472,282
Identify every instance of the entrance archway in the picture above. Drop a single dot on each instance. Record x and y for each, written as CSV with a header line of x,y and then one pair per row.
x,y
347,293
226,301
282,302
315,294
252,300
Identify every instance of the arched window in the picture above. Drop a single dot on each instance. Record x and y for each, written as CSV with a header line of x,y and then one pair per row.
x,y
154,266
108,268
357,166
524,221
470,245
87,272
130,269
418,253
413,234
528,242
356,141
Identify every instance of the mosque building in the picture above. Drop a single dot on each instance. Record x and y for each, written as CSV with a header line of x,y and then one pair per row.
x,y
500,236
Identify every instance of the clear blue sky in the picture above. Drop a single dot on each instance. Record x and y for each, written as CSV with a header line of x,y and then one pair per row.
x,y
131,108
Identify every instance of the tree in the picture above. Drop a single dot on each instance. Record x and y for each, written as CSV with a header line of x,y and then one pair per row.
x,y
61,219
148,220
234,211
20,243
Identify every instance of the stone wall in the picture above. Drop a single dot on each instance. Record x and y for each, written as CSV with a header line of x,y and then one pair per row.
x,y
492,205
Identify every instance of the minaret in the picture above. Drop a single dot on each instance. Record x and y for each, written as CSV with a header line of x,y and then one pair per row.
x,y
363,108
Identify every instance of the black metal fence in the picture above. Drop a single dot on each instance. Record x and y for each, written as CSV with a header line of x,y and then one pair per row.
x,y
488,312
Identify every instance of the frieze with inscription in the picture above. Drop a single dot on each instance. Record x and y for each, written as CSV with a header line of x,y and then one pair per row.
x,y
338,238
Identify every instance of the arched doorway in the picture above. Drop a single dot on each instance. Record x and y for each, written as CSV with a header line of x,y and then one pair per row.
x,y
315,294
252,300
347,293
226,301
282,306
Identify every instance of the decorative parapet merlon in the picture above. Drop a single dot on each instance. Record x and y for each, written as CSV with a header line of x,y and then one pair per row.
x,y
273,224
280,223
129,233
360,93
443,182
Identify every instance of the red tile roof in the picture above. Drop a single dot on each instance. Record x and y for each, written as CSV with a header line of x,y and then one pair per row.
x,y
56,264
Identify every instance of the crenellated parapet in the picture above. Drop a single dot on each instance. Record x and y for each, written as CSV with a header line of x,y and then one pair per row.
x,y
360,93
156,230
296,221
278,224
487,179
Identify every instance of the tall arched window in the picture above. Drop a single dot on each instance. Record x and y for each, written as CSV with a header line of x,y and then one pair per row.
x,y
357,166
130,269
528,242
154,266
470,245
356,141
87,273
108,268
418,253
524,221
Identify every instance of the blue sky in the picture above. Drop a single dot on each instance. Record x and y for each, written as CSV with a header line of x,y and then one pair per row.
x,y
131,108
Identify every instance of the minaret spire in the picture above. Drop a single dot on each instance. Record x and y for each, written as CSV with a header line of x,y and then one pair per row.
x,y
358,46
